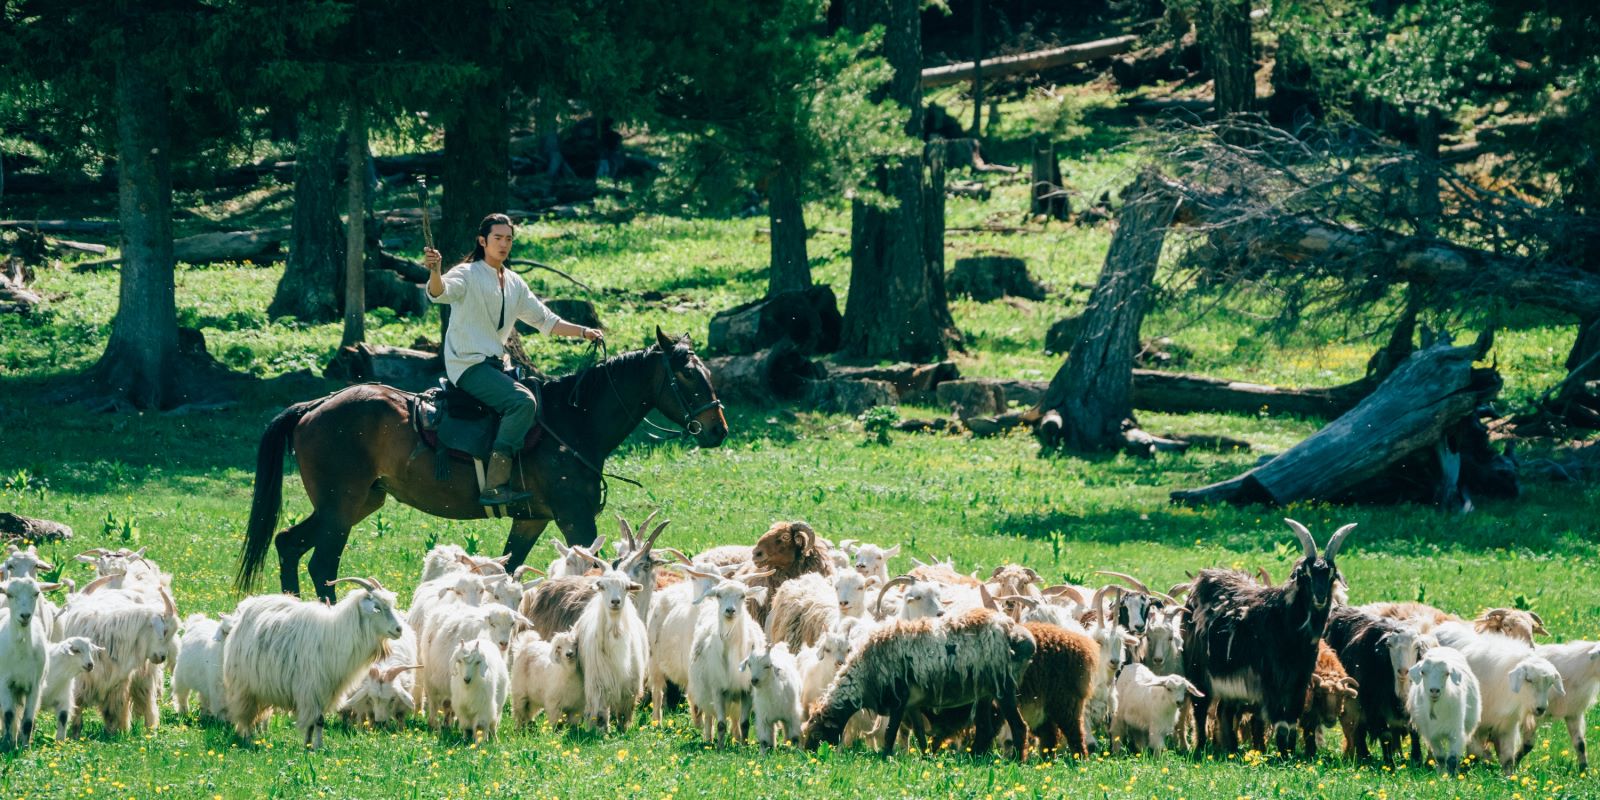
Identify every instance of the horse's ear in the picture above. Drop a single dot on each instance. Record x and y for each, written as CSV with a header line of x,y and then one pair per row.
x,y
663,340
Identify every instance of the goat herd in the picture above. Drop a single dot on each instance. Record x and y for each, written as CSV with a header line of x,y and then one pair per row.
x,y
816,639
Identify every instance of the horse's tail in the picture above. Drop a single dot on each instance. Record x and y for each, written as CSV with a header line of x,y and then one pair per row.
x,y
268,499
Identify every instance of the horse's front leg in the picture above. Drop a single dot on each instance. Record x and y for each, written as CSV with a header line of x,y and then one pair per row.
x,y
577,527
575,510
524,535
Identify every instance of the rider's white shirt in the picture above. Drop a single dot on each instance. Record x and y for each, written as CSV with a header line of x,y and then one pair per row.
x,y
478,329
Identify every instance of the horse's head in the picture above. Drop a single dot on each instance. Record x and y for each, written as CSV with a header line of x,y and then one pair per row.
x,y
685,395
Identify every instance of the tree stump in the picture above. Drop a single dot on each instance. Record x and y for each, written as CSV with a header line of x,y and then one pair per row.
x,y
1049,192
849,396
972,398
779,374
809,319
397,366
1412,411
991,277
578,312
913,383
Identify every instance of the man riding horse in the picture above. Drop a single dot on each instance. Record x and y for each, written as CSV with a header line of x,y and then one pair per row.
x,y
486,301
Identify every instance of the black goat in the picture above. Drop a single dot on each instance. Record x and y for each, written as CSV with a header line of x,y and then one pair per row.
x,y
1367,646
1253,647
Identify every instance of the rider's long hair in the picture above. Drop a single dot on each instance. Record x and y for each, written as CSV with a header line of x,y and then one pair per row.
x,y
484,227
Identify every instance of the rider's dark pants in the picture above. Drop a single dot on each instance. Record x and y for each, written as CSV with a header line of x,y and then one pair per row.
x,y
515,403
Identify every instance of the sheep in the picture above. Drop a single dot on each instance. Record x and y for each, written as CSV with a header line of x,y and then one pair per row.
x,y
479,682
1516,685
1515,623
1444,703
724,636
544,675
1330,690
1378,653
1250,645
870,560
775,691
789,549
1579,665
287,653
445,559
388,692
1055,689
804,609
852,589
68,660
446,630
1147,708
199,667
1038,609
24,648
927,665
612,653
135,636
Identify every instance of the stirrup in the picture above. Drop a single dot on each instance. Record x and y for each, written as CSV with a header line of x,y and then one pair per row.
x,y
503,495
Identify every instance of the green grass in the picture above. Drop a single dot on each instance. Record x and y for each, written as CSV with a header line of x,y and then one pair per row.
x,y
183,484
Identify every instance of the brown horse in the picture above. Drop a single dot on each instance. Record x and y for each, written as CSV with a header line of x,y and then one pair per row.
x,y
357,445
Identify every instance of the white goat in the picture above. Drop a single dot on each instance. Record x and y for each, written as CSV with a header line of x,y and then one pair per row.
x,y
724,636
447,629
24,648
1516,686
1116,646
479,682
919,600
135,636
387,693
853,590
1444,704
286,653
1579,665
820,663
456,588
670,631
68,660
870,560
199,667
574,560
1147,708
544,675
775,689
613,652
802,610
445,559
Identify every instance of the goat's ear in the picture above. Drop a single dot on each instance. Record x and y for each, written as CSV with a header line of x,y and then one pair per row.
x,y
1455,677
634,587
1516,680
744,666
1192,690
1415,672
892,552
1594,653
369,605
1561,688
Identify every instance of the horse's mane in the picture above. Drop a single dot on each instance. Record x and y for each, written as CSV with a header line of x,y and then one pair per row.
x,y
591,378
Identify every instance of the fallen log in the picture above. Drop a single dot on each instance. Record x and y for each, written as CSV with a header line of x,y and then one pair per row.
x,y
972,398
1036,61
15,296
991,276
849,397
397,366
808,318
913,383
778,374
77,226
1412,410
205,248
33,530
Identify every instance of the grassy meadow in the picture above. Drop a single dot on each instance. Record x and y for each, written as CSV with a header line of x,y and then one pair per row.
x,y
180,486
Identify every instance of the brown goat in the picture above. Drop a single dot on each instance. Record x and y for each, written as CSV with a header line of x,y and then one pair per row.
x,y
1512,622
789,549
1330,687
555,605
1056,687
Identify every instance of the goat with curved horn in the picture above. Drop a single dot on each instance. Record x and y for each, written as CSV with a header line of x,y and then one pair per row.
x,y
1180,589
678,554
1030,602
988,599
1135,583
877,607
365,583
1308,543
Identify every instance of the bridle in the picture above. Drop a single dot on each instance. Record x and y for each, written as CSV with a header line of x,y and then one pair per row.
x,y
689,425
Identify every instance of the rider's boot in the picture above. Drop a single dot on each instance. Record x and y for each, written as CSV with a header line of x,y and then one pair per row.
x,y
497,479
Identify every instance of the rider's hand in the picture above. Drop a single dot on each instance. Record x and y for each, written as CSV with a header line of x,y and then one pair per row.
x,y
593,335
431,259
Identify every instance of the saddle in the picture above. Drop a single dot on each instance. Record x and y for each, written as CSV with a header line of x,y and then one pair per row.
x,y
460,427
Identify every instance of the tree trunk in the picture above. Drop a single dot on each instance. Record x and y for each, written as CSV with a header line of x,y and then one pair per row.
x,y
933,199
892,311
140,363
1049,191
309,288
355,265
809,320
977,69
791,269
477,163
1225,27
1093,390
1577,401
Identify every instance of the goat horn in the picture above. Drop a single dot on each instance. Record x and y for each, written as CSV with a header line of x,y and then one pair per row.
x,y
525,569
917,561
97,583
1137,584
1030,602
627,531
878,606
678,554
997,570
598,544
1180,589
1337,540
166,602
364,583
844,544
590,556
1308,544
394,672
644,526
90,554
988,599
650,541
466,559
694,573
1098,603
1166,598
755,576
1263,577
